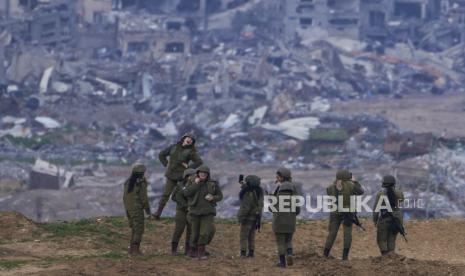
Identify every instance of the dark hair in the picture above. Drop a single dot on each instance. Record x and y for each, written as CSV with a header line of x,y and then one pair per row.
x,y
133,179
392,196
257,189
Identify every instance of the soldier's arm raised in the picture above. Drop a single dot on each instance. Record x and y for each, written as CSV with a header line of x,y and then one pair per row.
x,y
196,160
358,190
163,156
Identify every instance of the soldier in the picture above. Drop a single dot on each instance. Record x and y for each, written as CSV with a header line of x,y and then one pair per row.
x,y
344,186
135,203
384,219
249,214
179,154
284,221
202,195
180,218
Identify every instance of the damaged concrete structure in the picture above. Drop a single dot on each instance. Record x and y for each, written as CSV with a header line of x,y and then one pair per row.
x,y
41,23
337,17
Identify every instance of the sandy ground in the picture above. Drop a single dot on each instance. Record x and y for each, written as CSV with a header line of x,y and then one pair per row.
x,y
435,247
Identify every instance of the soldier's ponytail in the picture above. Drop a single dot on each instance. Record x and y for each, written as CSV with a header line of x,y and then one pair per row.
x,y
133,180
391,196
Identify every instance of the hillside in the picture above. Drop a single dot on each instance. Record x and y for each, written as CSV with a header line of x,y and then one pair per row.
x,y
98,247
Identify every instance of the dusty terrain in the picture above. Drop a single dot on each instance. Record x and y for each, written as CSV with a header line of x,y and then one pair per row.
x,y
97,247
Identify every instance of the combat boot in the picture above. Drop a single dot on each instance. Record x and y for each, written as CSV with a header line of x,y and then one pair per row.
x,y
174,248
345,254
157,214
289,257
282,261
187,248
201,252
136,249
243,254
326,252
251,253
192,251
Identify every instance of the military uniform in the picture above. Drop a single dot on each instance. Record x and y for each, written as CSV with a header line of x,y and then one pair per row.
x,y
345,187
201,212
177,154
135,203
284,223
249,214
385,235
180,218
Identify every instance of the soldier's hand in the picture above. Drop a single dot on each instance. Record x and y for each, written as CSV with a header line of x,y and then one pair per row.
x,y
185,165
197,180
209,197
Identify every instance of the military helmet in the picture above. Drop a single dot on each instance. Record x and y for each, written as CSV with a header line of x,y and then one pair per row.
x,y
284,172
252,180
203,168
188,172
343,175
188,134
388,181
139,168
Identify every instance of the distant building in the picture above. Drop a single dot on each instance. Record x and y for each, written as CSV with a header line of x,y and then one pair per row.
x,y
339,18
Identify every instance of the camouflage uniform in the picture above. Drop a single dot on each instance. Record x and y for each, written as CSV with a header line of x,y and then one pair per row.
x,y
348,188
177,155
284,223
135,203
180,218
250,211
385,236
201,211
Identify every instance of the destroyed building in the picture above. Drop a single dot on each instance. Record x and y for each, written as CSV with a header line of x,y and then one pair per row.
x,y
40,23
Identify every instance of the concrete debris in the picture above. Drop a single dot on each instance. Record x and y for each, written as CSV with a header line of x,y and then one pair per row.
x,y
48,122
298,128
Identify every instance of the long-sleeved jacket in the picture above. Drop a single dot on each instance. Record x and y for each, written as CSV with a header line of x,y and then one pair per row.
x,y
173,158
196,192
137,198
285,221
349,188
251,206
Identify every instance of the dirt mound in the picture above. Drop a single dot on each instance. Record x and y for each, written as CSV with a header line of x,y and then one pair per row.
x,y
16,227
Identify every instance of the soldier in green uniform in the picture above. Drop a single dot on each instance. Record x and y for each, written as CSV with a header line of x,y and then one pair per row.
x,y
135,203
284,221
344,186
176,159
180,218
385,234
202,195
249,214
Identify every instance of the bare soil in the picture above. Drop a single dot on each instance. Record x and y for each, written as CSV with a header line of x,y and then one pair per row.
x,y
98,247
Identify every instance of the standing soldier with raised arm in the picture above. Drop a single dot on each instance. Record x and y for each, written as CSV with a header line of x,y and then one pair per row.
x,y
176,159
284,221
202,194
342,188
180,218
249,214
135,203
386,220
